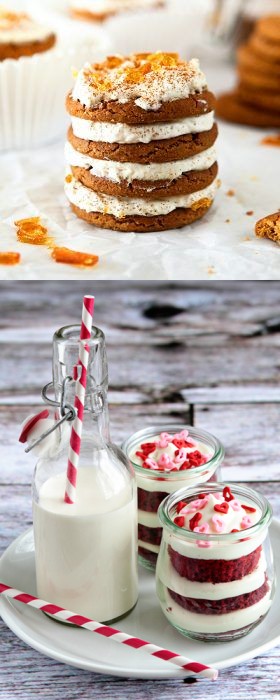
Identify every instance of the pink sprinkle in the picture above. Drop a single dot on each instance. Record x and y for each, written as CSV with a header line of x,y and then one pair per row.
x,y
219,524
218,496
200,503
149,462
235,505
180,457
246,522
183,435
164,440
202,528
165,461
188,509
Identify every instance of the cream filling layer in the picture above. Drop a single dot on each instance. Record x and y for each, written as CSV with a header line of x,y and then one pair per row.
x,y
148,519
219,549
150,547
211,591
196,622
117,172
173,481
108,132
90,201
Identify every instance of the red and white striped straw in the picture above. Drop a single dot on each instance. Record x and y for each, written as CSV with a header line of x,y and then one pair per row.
x,y
81,382
193,668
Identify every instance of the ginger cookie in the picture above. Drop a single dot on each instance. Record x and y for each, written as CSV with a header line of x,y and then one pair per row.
x,y
232,109
269,227
154,152
249,60
144,224
141,146
21,36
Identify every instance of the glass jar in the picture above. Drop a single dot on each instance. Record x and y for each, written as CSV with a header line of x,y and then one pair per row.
x,y
153,486
215,587
86,552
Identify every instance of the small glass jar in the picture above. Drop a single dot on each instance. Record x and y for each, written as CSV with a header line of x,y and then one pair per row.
x,y
153,486
215,587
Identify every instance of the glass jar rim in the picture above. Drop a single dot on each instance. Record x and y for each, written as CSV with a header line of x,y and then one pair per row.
x,y
215,460
245,491
71,332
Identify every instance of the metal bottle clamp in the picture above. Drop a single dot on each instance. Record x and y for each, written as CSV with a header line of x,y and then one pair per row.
x,y
67,411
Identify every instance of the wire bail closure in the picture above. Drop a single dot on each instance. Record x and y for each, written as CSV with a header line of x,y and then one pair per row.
x,y
67,411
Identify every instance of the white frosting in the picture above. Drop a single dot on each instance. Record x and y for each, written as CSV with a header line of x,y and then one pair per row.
x,y
102,7
24,31
117,171
196,622
173,481
211,591
218,522
90,201
157,86
148,519
217,550
150,547
108,132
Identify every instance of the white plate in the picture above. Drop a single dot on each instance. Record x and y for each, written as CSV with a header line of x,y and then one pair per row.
x,y
88,651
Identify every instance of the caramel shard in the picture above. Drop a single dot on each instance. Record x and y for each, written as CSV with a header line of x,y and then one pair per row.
x,y
273,140
74,257
205,203
269,227
31,231
10,258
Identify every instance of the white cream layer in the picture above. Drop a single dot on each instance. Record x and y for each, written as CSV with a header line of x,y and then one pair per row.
x,y
24,32
108,132
108,6
219,549
195,622
211,591
174,480
150,547
165,85
117,172
90,201
148,519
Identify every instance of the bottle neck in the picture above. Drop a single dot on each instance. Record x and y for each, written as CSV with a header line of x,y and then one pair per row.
x,y
66,347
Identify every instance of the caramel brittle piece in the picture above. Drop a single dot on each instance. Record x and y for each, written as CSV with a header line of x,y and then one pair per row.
x,y
9,258
31,231
74,257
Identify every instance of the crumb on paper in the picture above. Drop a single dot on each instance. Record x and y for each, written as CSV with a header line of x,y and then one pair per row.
x,y
227,221
247,238
254,178
211,270
230,193
272,140
249,213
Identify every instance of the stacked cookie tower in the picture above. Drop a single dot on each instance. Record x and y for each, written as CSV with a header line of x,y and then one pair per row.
x,y
140,148
100,10
256,100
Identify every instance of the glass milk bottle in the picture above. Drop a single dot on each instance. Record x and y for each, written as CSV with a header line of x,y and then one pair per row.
x,y
86,551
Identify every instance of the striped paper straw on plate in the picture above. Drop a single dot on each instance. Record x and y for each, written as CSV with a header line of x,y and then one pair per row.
x,y
81,382
192,668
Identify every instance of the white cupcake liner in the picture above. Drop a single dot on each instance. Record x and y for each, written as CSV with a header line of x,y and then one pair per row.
x,y
33,91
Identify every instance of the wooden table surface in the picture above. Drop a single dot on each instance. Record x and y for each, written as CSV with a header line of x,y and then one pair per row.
x,y
202,352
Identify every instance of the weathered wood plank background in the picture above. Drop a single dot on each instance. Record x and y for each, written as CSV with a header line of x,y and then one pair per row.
x,y
207,353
